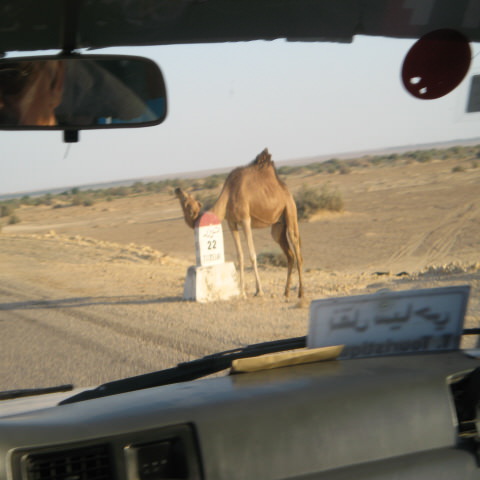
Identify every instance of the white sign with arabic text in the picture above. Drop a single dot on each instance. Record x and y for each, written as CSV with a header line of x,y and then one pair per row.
x,y
390,323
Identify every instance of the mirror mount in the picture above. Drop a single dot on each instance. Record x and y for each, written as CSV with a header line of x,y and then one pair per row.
x,y
71,12
70,136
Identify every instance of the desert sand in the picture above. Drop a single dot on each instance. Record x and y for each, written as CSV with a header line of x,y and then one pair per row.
x,y
92,294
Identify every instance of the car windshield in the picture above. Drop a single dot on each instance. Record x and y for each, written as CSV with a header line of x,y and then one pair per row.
x,y
95,249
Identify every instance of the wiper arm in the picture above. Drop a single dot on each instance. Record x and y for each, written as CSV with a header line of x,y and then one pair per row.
x,y
30,392
187,371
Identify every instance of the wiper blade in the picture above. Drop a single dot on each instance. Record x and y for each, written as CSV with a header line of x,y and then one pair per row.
x,y
30,392
195,369
187,371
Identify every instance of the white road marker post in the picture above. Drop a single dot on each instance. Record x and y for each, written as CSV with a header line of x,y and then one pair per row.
x,y
211,278
209,241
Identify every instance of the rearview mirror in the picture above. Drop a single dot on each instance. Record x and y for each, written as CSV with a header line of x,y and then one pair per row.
x,y
80,92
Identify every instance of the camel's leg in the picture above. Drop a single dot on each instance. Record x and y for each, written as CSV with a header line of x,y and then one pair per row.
x,y
295,240
300,268
247,228
293,234
238,247
279,234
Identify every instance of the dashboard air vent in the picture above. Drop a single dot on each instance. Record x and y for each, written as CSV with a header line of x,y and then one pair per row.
x,y
85,463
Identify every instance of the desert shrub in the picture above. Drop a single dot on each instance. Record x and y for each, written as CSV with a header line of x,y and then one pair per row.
x,y
333,161
47,199
149,187
197,185
83,199
213,181
456,151
458,169
6,209
77,200
119,191
274,258
163,186
291,170
138,187
311,200
424,156
376,160
88,201
183,183
13,220
285,170
316,167
361,162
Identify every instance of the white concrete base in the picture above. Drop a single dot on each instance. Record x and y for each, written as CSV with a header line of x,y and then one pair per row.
x,y
210,283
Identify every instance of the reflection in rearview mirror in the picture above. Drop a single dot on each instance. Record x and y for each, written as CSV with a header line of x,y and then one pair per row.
x,y
92,91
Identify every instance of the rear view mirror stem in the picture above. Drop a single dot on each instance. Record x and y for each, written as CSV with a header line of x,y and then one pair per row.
x,y
71,11
70,136
69,36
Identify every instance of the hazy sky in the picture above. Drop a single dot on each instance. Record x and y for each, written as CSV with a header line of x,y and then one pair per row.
x,y
229,101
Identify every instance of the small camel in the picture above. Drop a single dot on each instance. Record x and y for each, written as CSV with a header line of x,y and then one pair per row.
x,y
254,197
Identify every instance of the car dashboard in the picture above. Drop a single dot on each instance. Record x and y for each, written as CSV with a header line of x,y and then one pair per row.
x,y
331,419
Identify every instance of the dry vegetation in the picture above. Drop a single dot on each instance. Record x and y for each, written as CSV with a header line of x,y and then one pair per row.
x,y
310,199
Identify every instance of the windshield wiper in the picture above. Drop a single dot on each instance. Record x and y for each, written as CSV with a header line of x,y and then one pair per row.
x,y
187,371
30,392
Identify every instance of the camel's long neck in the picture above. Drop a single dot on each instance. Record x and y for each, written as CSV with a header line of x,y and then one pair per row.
x,y
220,206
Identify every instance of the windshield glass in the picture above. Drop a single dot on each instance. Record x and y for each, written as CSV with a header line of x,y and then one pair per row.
x,y
95,247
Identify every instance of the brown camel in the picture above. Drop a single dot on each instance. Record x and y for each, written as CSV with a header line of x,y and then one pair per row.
x,y
254,197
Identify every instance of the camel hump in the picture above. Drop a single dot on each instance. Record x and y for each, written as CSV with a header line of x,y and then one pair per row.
x,y
263,159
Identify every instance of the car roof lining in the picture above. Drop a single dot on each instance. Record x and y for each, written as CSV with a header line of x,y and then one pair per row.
x,y
29,25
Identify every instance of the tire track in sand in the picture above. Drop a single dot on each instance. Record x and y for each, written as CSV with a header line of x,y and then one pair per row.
x,y
435,245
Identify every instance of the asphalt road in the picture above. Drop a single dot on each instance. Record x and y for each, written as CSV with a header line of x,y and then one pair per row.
x,y
84,313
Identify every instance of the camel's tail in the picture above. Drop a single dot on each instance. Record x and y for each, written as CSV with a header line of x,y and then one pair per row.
x,y
293,237
293,232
